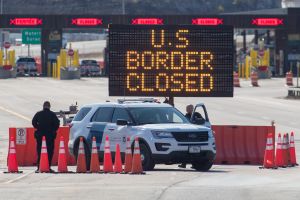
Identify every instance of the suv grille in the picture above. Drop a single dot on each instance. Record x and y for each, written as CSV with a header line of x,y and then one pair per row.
x,y
201,136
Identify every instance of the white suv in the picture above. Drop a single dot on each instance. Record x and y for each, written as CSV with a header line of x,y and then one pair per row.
x,y
165,135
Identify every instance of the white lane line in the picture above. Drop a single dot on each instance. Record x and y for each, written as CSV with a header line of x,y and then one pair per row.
x,y
15,113
18,178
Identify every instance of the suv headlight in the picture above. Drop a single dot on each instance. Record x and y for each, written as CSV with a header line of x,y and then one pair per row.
x,y
211,134
161,134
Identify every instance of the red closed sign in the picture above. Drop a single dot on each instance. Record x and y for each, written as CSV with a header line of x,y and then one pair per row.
x,y
6,45
71,52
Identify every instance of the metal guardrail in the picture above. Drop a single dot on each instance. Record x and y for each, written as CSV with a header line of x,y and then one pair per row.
x,y
294,92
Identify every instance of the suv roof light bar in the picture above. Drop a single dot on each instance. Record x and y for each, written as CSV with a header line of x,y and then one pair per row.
x,y
139,100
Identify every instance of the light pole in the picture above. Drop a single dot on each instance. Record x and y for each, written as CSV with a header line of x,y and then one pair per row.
x,y
1,9
1,12
123,7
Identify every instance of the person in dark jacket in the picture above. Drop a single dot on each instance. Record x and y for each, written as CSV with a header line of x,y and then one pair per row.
x,y
189,112
46,124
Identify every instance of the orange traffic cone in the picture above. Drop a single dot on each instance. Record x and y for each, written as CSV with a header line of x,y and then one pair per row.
x,y
269,153
95,165
285,150
136,161
81,162
62,159
288,157
293,150
12,157
118,168
128,157
107,166
279,153
44,162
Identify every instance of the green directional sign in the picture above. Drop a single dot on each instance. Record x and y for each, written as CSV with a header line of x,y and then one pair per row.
x,y
31,36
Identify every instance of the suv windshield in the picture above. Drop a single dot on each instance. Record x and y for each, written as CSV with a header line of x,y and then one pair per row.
x,y
82,113
157,115
89,62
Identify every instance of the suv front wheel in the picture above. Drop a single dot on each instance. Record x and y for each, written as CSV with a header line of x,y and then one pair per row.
x,y
147,161
202,166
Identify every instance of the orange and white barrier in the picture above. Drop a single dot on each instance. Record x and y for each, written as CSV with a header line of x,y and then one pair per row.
x,y
254,79
236,80
289,79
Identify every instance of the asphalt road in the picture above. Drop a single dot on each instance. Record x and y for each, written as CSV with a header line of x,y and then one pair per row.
x,y
21,98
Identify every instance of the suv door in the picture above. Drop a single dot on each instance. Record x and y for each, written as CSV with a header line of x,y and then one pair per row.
x,y
98,125
200,116
119,134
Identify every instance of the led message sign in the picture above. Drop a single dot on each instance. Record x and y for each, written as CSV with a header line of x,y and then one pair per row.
x,y
170,60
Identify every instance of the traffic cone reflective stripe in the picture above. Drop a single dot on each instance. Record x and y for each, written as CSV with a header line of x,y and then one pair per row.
x,y
107,166
44,162
136,161
269,153
269,144
128,157
137,150
95,165
118,162
12,157
62,159
81,162
12,149
62,145
292,150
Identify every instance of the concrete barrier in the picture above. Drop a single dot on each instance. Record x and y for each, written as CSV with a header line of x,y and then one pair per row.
x,y
69,75
4,74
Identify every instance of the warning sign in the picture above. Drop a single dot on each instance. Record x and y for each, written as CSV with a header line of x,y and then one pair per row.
x,y
21,136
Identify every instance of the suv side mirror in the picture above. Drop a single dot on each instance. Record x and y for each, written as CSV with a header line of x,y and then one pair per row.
x,y
122,122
